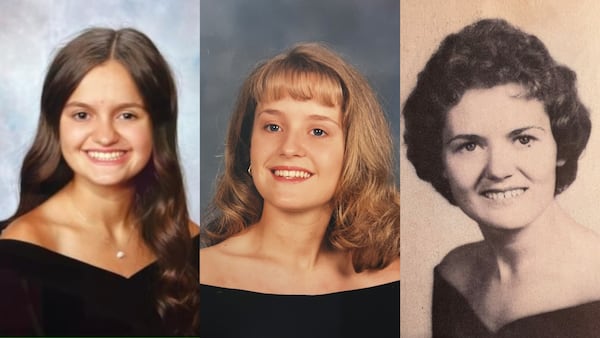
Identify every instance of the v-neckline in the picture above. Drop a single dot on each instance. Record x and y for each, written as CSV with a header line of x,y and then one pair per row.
x,y
507,325
59,256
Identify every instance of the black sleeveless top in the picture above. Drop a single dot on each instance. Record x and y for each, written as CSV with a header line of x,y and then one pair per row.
x,y
371,312
45,293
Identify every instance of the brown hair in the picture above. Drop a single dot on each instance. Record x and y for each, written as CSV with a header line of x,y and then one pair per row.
x,y
366,213
160,202
485,54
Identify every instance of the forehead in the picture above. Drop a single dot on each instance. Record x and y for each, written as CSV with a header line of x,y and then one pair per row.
x,y
283,80
109,81
290,108
496,109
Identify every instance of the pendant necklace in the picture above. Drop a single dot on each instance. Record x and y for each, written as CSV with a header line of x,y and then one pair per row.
x,y
120,253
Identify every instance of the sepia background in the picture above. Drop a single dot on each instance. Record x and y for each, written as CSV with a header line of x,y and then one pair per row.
x,y
238,34
32,31
431,227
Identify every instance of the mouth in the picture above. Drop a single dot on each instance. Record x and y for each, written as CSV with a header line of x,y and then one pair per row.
x,y
108,156
291,174
500,195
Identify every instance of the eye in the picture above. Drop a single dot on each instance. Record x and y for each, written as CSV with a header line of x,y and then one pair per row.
x,y
272,128
128,116
469,146
524,139
318,132
81,115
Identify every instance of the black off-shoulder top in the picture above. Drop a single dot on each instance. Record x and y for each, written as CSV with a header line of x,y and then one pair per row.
x,y
45,293
230,313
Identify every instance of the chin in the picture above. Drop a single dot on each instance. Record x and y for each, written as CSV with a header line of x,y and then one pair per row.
x,y
505,223
296,206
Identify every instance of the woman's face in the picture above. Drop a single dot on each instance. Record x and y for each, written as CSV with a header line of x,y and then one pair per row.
x,y
297,151
105,130
500,156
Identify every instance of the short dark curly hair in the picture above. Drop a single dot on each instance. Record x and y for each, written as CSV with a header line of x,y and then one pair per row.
x,y
485,54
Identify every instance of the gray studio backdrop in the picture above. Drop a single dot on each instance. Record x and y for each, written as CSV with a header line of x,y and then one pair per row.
x,y
31,31
237,34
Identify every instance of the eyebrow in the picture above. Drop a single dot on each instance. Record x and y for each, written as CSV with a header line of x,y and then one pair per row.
x,y
521,130
474,137
117,107
467,137
316,117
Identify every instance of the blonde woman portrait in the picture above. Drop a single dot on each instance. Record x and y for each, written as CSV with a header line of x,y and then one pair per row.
x,y
304,232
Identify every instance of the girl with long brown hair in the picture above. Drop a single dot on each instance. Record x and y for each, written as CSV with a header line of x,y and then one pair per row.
x,y
101,242
304,232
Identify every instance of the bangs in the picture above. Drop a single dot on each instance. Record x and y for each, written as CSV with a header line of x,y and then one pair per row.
x,y
301,80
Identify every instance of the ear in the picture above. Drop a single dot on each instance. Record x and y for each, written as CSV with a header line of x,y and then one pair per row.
x,y
560,162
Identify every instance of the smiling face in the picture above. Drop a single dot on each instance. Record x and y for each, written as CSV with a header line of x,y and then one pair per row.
x,y
297,150
105,131
500,156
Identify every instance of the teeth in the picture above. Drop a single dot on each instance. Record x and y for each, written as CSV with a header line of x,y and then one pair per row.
x,y
292,173
504,195
105,156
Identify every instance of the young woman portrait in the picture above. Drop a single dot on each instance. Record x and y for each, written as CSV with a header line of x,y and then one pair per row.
x,y
303,234
101,242
495,124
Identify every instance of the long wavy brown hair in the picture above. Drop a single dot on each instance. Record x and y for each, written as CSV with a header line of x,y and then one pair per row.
x,y
366,204
160,201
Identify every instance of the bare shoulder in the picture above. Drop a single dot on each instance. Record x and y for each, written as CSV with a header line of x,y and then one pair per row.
x,y
45,225
463,262
194,228
389,274
27,228
585,259
216,261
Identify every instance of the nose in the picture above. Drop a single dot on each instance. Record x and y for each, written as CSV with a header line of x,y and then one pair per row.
x,y
292,145
500,163
105,133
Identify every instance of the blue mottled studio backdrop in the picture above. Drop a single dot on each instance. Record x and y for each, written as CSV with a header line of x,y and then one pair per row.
x,y
237,34
30,34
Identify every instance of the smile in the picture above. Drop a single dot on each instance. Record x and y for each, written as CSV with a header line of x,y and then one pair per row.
x,y
289,174
106,155
503,195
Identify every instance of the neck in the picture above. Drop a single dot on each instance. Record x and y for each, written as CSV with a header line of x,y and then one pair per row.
x,y
102,207
295,239
542,243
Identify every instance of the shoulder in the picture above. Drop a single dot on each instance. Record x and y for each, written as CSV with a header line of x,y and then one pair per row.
x,y
215,261
227,262
27,229
45,225
194,228
583,261
389,274
463,263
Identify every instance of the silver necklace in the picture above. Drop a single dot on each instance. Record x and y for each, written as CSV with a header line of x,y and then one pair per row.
x,y
120,253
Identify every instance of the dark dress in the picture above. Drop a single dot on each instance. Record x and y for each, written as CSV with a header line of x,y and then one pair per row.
x,y
372,312
452,316
45,293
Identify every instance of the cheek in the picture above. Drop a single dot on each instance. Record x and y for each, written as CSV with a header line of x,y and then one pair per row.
x,y
463,173
70,136
262,147
540,165
139,136
256,148
332,156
